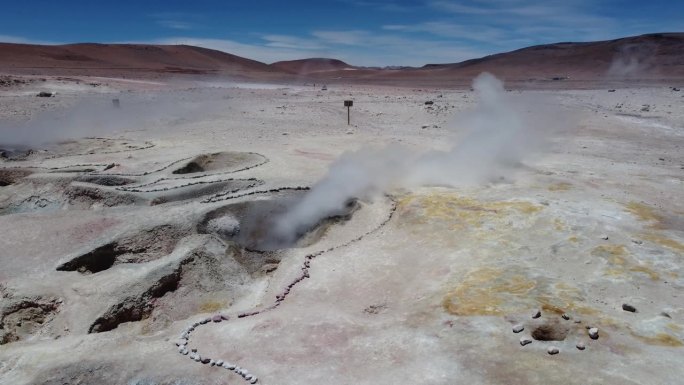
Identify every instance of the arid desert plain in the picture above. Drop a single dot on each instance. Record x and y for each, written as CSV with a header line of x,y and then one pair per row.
x,y
220,232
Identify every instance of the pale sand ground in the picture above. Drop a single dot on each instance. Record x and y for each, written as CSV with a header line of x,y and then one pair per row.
x,y
430,297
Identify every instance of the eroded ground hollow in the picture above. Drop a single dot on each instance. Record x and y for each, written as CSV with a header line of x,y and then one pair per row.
x,y
24,318
251,224
10,176
148,245
105,180
219,161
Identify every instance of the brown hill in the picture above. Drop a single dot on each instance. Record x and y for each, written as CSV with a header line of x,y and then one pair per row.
x,y
126,59
312,65
648,58
645,55
652,57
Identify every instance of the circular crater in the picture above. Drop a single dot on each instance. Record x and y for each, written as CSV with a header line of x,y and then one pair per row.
x,y
550,331
229,161
252,224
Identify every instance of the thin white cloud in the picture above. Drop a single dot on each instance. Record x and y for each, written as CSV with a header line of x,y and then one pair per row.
x,y
350,37
292,42
510,24
356,47
453,30
177,20
382,5
23,40
175,24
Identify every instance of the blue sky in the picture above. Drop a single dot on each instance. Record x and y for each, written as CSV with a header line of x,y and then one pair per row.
x,y
361,32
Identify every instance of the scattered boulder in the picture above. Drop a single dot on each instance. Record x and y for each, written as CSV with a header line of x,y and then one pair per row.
x,y
594,333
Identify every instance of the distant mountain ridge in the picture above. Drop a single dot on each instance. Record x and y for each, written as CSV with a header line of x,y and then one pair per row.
x,y
97,59
655,56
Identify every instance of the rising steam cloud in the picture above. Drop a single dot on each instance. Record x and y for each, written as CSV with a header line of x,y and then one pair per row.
x,y
494,139
95,115
632,60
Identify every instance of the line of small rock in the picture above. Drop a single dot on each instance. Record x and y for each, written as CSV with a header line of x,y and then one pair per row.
x,y
221,196
148,172
137,190
55,168
265,160
193,354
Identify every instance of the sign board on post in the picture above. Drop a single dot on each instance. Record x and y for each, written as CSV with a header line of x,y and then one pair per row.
x,y
348,103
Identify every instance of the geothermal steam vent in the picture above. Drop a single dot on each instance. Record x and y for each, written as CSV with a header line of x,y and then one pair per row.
x,y
254,224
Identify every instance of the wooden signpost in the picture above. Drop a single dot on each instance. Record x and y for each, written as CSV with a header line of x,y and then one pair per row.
x,y
348,104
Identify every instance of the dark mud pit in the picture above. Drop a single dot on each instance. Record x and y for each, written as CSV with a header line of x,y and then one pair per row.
x,y
229,161
105,180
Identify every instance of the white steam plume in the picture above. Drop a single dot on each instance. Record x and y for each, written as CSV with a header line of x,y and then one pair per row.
x,y
495,138
632,60
95,115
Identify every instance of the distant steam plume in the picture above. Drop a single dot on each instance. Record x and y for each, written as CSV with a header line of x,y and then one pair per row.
x,y
95,115
494,138
632,60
